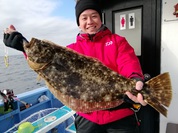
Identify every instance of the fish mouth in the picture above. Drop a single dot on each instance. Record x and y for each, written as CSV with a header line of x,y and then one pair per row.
x,y
25,44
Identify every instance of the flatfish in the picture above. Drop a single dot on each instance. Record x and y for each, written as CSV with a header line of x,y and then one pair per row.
x,y
84,84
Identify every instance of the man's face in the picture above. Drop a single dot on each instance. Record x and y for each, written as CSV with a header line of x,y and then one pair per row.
x,y
89,21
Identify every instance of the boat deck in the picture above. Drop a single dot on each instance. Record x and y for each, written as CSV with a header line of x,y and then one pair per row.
x,y
60,119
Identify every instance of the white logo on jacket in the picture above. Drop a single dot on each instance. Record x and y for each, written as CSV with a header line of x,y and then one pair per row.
x,y
108,43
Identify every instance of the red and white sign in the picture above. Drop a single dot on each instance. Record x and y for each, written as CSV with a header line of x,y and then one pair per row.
x,y
122,22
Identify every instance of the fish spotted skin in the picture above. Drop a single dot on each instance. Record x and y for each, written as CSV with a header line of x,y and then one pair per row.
x,y
84,84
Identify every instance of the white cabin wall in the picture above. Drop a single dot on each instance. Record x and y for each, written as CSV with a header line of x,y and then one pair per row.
x,y
169,58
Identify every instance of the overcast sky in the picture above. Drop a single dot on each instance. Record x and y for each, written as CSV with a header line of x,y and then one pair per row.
x,y
52,20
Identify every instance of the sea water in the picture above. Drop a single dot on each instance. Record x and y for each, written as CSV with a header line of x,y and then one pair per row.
x,y
17,75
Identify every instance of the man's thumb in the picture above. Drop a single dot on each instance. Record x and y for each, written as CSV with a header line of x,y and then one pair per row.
x,y
12,27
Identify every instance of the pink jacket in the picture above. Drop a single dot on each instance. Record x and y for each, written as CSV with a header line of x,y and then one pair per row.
x,y
114,52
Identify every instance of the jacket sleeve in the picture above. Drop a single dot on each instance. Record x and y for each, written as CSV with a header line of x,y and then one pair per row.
x,y
127,61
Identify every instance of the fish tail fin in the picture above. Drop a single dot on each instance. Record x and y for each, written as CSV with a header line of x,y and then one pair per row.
x,y
160,91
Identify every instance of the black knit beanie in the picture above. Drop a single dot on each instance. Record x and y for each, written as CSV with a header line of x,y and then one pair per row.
x,y
82,5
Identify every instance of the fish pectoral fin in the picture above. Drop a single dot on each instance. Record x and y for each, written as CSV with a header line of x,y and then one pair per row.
x,y
39,78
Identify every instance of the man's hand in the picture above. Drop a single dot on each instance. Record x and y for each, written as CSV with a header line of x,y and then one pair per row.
x,y
13,39
139,97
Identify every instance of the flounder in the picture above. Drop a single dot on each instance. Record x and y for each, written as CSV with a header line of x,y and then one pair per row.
x,y
84,84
